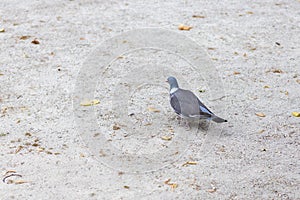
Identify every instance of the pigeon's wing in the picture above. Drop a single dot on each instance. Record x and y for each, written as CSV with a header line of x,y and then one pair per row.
x,y
175,104
187,104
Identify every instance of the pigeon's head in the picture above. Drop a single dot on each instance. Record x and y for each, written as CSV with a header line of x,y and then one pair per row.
x,y
172,82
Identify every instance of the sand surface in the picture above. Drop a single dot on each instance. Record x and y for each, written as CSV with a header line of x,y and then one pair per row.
x,y
243,56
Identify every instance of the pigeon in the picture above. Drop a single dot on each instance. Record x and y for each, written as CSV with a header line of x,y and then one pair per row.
x,y
187,105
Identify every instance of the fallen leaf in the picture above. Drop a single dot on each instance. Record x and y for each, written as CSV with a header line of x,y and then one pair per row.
x,y
172,185
236,73
24,37
19,149
201,91
245,55
9,172
296,114
184,27
260,114
212,190
277,71
81,155
151,109
19,182
261,131
35,41
126,186
166,138
1,74
2,30
189,163
198,16
249,12
298,81
266,86
28,134
116,127
89,102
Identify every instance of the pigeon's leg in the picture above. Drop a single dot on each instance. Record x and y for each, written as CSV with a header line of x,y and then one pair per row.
x,y
179,119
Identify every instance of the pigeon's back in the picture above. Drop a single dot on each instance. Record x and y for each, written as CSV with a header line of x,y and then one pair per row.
x,y
187,104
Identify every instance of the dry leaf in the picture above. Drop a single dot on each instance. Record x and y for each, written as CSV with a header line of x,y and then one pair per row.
x,y
116,127
2,30
172,185
19,149
260,114
298,81
151,109
249,12
9,172
296,114
261,131
236,73
198,16
20,181
81,155
35,41
25,37
277,71
189,163
126,186
89,102
166,138
1,74
266,86
212,190
184,27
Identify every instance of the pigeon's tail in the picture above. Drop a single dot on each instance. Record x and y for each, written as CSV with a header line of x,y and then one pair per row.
x,y
218,119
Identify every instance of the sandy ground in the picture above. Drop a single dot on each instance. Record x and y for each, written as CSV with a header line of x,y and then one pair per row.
x,y
45,137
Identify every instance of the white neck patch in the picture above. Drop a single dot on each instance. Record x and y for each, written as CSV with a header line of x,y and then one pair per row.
x,y
173,90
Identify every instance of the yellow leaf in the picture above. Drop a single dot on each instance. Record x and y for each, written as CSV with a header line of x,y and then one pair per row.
x,y
166,137
296,114
184,27
89,102
260,114
2,30
151,109
189,163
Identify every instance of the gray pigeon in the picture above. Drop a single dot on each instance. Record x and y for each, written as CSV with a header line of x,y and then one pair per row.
x,y
187,105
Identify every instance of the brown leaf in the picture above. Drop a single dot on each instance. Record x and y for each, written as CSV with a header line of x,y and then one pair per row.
x,y
236,73
198,16
35,41
19,182
278,71
184,27
19,149
2,30
249,12
189,163
260,114
116,127
126,186
24,37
